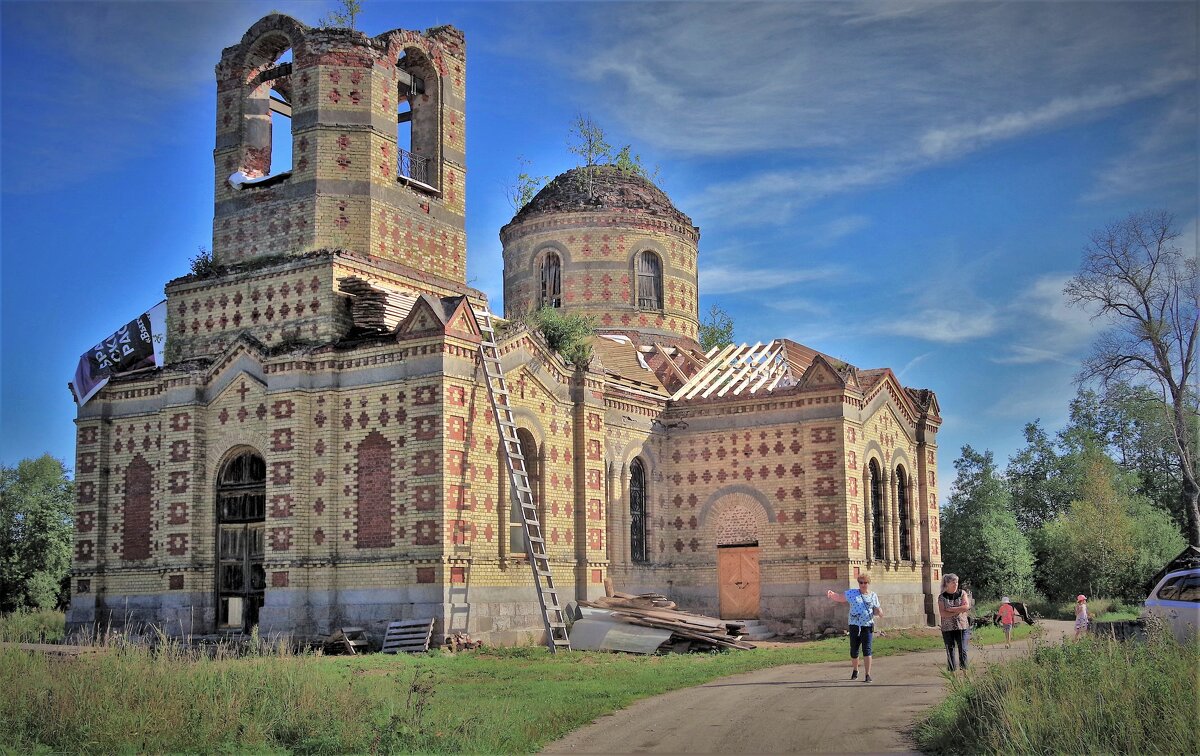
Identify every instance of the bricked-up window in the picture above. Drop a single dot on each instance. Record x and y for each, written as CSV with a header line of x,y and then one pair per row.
x,y
552,280
649,281
637,511
135,520
516,522
876,493
418,121
375,492
241,516
902,507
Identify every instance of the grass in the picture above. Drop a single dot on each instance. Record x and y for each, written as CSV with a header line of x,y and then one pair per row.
x,y
32,626
512,700
1093,696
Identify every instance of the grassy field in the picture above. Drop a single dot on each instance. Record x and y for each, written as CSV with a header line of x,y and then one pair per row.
x,y
488,701
1094,696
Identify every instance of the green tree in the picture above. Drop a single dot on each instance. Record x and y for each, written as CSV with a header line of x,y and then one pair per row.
x,y
1131,424
1039,490
1109,542
1136,277
716,330
36,500
525,187
981,541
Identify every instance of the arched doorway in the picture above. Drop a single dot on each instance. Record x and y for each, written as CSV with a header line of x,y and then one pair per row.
x,y
739,584
241,523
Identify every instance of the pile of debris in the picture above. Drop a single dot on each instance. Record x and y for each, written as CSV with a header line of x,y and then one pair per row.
x,y
375,309
649,623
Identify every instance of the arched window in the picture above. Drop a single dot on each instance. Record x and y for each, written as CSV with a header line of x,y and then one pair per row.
x,y
267,111
876,493
649,281
902,506
241,517
552,280
417,123
280,104
637,511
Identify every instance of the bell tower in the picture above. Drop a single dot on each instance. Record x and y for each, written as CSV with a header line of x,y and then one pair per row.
x,y
377,164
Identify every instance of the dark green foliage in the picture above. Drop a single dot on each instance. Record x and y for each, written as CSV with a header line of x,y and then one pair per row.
x,y
569,334
36,500
716,330
202,265
980,538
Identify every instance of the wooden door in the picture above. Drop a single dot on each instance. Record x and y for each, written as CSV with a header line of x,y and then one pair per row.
x,y
738,581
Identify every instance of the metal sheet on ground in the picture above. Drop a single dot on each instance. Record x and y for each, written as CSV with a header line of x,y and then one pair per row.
x,y
599,634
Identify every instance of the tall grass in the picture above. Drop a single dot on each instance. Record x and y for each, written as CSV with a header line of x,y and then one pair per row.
x,y
32,626
172,699
1094,696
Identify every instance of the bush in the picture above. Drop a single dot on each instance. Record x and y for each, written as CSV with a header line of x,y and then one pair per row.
x,y
33,626
1092,696
568,334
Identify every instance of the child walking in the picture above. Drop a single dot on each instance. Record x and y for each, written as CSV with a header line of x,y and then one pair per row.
x,y
1081,615
1007,618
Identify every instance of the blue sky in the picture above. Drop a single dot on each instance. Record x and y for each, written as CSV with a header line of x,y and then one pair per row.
x,y
900,184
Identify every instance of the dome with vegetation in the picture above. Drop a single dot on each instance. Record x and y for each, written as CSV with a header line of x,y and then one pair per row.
x,y
599,188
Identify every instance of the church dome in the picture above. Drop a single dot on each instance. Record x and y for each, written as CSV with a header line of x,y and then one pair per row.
x,y
611,189
606,243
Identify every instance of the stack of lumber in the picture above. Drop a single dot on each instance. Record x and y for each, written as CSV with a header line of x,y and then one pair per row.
x,y
375,309
686,631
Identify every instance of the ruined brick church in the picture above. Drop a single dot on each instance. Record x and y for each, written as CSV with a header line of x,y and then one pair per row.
x,y
319,449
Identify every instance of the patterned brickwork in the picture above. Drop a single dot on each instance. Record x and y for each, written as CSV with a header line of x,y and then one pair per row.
x,y
598,273
343,90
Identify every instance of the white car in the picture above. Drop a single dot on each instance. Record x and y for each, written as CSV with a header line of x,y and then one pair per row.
x,y
1176,600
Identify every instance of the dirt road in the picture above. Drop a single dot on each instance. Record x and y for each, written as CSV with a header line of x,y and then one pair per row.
x,y
810,708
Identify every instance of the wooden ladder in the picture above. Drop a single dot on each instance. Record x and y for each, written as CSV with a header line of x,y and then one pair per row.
x,y
553,617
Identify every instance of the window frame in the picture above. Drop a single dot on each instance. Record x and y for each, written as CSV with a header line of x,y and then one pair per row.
x,y
638,516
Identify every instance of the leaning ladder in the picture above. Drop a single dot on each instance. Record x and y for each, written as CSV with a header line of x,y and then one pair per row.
x,y
535,544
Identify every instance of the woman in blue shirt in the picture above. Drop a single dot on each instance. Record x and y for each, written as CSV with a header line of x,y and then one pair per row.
x,y
864,608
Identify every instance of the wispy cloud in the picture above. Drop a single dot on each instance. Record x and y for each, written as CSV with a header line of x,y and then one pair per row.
x,y
942,325
1163,154
1044,328
852,95
717,279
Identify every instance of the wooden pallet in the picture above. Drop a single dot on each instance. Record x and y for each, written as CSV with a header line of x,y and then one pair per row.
x,y
408,636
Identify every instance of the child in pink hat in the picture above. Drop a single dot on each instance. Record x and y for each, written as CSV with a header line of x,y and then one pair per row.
x,y
1081,615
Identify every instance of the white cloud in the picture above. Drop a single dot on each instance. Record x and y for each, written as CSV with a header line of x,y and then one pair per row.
x,y
942,325
720,279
